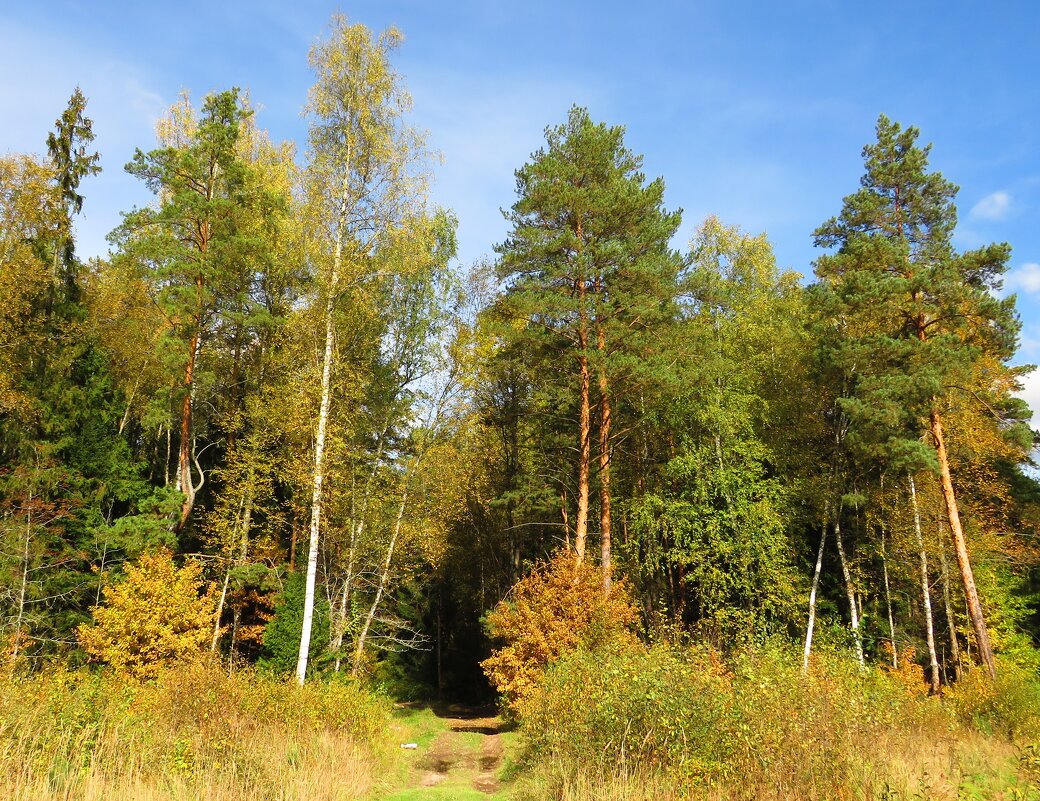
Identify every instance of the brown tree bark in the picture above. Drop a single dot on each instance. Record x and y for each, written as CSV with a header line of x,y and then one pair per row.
x,y
605,523
581,522
960,547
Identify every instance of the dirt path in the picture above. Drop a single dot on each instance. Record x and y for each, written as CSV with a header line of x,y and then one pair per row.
x,y
462,761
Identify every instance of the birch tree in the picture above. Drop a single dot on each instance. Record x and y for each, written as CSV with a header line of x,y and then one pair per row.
x,y
364,177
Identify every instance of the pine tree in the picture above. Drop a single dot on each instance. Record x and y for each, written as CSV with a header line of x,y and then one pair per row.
x,y
589,272
916,314
197,248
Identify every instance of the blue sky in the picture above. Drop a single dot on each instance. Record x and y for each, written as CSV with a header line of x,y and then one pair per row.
x,y
756,112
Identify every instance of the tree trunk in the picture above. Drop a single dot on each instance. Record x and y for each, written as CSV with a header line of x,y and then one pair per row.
x,y
166,464
849,591
357,528
23,589
293,542
184,480
604,475
951,621
960,547
566,520
383,578
319,437
888,603
243,521
812,594
581,522
605,522
926,593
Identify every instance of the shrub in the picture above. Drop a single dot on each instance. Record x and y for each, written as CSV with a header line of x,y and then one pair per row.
x,y
556,609
657,707
1008,707
755,727
157,615
193,732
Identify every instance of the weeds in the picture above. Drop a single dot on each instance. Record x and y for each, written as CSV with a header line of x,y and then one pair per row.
x,y
665,722
194,732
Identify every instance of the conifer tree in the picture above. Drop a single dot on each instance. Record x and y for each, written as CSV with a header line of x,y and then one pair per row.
x,y
589,271
195,246
917,316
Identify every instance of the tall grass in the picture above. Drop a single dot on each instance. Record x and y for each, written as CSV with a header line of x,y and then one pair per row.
x,y
664,723
194,733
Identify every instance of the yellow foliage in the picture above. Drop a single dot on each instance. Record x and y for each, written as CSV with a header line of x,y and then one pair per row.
x,y
157,615
909,674
556,609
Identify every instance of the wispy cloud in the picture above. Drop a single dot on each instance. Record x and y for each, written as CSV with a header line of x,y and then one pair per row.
x,y
1024,279
995,206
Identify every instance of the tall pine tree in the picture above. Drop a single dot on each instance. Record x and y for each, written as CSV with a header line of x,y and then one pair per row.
x,y
920,314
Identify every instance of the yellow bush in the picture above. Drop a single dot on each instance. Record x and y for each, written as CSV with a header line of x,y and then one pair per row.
x,y
556,609
157,615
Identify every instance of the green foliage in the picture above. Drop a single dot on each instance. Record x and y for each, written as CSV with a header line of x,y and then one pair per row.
x,y
1008,707
282,634
656,707
715,514
755,727
193,732
916,316
719,520
159,614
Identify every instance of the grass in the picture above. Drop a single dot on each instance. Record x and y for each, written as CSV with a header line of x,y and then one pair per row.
x,y
667,723
446,764
194,733
631,726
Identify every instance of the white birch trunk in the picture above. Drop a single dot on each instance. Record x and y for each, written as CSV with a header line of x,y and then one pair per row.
x,y
849,591
888,604
926,593
357,529
319,437
812,594
383,578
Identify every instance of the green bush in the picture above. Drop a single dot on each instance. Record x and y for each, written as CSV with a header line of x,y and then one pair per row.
x,y
1008,707
658,706
754,724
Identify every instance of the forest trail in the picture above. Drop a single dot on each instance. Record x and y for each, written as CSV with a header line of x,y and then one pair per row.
x,y
459,755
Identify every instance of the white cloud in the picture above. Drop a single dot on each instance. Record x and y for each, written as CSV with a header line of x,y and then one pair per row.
x,y
994,206
1024,279
1030,393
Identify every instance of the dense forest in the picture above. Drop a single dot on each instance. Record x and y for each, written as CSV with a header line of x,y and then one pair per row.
x,y
280,428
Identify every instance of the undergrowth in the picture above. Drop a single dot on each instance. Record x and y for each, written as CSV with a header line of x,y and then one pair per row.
x,y
193,732
667,722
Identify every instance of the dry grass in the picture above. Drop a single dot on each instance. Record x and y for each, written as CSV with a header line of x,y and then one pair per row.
x,y
665,724
195,733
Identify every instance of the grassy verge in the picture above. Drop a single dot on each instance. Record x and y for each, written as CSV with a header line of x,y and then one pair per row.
x,y
195,732
665,723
